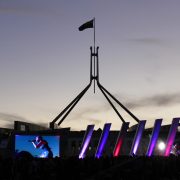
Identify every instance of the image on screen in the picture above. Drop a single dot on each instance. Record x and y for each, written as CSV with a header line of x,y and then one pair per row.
x,y
40,146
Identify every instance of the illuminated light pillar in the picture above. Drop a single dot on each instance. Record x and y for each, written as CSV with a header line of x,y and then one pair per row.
x,y
120,139
137,137
103,140
171,136
86,141
154,137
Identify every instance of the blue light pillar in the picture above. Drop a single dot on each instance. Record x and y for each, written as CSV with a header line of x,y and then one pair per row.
x,y
103,140
154,137
86,141
137,137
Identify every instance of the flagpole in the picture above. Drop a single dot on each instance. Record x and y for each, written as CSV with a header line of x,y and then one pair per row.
x,y
94,34
94,53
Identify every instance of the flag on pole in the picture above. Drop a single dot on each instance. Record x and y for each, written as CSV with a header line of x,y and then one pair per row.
x,y
87,25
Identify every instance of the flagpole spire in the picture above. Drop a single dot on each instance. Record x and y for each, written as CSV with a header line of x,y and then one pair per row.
x,y
94,33
94,75
94,53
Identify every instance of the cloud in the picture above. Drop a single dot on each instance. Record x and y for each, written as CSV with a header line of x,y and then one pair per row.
x,y
155,100
8,120
12,117
94,121
25,8
86,113
147,41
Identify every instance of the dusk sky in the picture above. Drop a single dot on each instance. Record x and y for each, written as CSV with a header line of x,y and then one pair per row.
x,y
44,60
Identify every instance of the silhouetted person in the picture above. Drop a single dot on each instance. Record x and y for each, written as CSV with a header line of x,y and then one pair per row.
x,y
177,148
39,142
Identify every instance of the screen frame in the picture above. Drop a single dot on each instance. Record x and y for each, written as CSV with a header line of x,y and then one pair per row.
x,y
35,133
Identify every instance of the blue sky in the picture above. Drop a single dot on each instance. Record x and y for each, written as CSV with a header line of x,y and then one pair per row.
x,y
44,60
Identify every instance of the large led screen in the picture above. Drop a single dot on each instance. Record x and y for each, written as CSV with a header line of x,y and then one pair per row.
x,y
40,146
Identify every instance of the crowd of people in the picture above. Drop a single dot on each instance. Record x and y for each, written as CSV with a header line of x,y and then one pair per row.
x,y
26,167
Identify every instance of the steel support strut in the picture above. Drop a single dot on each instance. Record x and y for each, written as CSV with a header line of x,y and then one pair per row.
x,y
69,106
94,75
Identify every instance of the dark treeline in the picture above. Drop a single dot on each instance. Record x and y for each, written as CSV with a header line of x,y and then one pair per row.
x,y
124,167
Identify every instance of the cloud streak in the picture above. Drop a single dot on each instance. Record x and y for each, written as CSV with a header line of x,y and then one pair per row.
x,y
8,119
147,41
158,100
12,117
86,114
25,8
155,100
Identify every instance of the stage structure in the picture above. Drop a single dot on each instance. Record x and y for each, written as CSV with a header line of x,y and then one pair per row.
x,y
94,77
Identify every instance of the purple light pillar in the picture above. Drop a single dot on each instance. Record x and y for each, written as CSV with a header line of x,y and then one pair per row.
x,y
154,137
86,141
137,137
103,140
171,136
120,139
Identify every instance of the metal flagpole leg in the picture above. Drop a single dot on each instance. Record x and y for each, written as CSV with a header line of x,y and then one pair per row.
x,y
77,100
67,107
130,113
122,119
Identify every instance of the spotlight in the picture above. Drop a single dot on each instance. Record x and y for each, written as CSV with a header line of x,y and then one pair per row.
x,y
161,145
